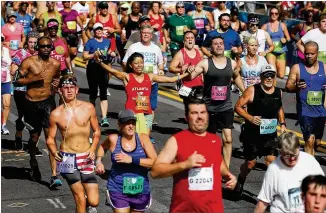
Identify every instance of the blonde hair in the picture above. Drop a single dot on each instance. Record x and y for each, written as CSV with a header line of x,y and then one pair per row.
x,y
288,142
250,39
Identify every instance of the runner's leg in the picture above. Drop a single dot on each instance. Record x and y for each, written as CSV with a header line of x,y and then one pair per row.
x,y
227,146
92,193
79,196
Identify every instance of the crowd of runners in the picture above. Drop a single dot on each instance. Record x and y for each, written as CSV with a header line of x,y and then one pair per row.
x,y
213,54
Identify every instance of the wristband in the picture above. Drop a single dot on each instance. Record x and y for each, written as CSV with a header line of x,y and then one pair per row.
x,y
283,124
135,160
98,162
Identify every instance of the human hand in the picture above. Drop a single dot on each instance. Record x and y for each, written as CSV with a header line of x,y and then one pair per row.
x,y
262,54
301,84
283,40
123,158
91,153
184,67
231,181
110,30
195,160
57,156
283,128
100,168
234,49
190,69
255,120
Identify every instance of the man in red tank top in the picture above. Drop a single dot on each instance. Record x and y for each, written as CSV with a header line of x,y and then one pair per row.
x,y
196,169
110,24
187,56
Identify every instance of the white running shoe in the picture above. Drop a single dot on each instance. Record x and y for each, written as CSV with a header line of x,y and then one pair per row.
x,y
91,209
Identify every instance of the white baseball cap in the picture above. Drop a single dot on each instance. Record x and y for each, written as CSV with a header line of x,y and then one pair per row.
x,y
97,25
268,68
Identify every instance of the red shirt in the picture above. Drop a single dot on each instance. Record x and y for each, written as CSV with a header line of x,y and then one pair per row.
x,y
159,21
198,81
106,33
138,95
185,200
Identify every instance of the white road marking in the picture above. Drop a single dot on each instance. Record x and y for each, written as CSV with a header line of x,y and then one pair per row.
x,y
46,151
18,205
57,203
14,159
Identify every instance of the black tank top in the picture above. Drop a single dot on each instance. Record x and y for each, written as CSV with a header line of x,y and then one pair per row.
x,y
264,105
217,87
131,26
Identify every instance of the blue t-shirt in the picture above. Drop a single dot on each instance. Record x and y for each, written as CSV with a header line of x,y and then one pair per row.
x,y
2,22
231,39
92,45
25,21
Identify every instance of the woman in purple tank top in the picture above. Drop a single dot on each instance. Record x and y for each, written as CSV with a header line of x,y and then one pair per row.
x,y
132,156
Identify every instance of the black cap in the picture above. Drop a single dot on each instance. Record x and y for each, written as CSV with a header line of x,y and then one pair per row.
x,y
234,11
143,18
126,115
103,4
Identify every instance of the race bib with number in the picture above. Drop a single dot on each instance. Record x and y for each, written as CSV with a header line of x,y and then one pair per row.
x,y
227,53
314,98
201,179
199,23
219,93
142,103
322,56
148,68
277,46
133,185
295,198
72,25
184,91
179,30
268,126
14,44
67,166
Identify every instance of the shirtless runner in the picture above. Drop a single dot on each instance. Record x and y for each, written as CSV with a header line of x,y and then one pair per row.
x,y
76,156
40,74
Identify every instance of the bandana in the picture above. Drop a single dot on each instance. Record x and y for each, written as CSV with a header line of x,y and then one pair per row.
x,y
67,81
52,24
254,20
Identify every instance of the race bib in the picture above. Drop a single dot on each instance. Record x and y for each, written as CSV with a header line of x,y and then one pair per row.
x,y
278,46
14,44
268,126
184,91
67,165
179,30
142,103
199,23
295,198
133,185
148,68
71,25
314,98
227,53
219,93
322,56
201,179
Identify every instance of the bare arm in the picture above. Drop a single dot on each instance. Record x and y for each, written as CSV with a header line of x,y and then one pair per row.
x,y
175,63
149,150
236,76
286,32
87,55
41,27
261,207
247,97
269,41
90,27
291,83
23,39
300,45
50,141
210,20
295,30
80,23
116,73
117,28
228,176
206,51
95,127
201,68
67,56
165,79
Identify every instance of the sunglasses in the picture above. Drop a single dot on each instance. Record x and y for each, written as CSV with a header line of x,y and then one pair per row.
x,y
222,2
103,8
269,76
53,28
181,7
199,4
288,156
253,25
124,9
274,13
49,46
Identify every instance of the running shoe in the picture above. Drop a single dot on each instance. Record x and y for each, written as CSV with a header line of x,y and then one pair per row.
x,y
105,122
154,123
38,153
35,173
55,182
91,209
108,92
4,130
152,140
19,143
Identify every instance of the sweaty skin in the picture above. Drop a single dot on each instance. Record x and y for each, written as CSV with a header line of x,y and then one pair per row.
x,y
39,75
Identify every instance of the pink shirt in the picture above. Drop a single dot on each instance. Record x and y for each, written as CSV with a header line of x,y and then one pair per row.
x,y
60,49
13,37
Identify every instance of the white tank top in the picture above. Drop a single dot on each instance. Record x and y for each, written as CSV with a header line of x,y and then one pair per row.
x,y
250,73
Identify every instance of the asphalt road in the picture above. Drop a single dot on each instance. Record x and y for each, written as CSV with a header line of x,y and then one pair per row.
x,y
19,194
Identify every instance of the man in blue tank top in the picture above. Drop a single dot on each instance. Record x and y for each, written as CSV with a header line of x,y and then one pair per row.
x,y
218,72
308,80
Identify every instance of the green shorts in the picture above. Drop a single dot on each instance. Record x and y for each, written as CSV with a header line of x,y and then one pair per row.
x,y
144,122
279,56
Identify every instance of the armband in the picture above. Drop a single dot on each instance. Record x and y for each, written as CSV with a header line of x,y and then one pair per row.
x,y
135,161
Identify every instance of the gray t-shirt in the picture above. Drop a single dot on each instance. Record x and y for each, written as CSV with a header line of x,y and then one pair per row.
x,y
135,37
